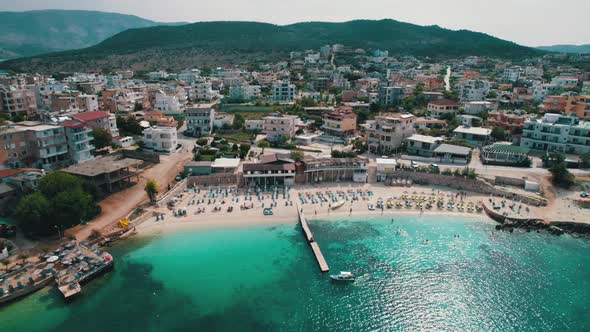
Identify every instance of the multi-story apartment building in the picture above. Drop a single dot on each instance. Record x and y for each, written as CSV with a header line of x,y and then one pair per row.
x,y
474,90
279,125
340,123
160,139
122,99
79,138
387,133
199,119
442,108
168,104
17,101
189,75
200,90
512,74
578,106
511,121
555,132
540,91
565,82
99,119
43,93
87,103
32,144
389,95
477,107
586,88
283,91
244,91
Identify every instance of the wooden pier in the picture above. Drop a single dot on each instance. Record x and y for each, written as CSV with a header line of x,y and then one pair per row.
x,y
314,246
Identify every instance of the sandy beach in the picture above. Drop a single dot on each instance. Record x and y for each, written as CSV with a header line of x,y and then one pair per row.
x,y
285,210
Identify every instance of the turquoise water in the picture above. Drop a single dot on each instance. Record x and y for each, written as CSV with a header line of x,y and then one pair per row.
x,y
265,278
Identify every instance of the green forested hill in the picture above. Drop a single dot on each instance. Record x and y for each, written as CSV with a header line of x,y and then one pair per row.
x,y
222,42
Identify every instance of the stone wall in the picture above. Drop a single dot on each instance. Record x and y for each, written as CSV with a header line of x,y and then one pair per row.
x,y
142,155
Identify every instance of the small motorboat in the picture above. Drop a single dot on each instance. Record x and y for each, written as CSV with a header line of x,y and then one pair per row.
x,y
344,277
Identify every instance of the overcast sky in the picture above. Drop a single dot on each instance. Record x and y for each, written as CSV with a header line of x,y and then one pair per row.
x,y
528,22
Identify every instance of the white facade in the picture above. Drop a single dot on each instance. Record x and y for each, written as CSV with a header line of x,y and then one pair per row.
x,y
477,107
255,125
158,75
244,91
200,91
388,131
167,104
199,119
160,139
541,91
283,91
87,103
512,74
474,90
556,132
277,125
565,81
189,75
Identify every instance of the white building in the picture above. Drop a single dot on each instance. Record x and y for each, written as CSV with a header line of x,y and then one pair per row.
x,y
200,91
473,135
556,132
474,90
541,91
283,91
199,119
87,103
244,91
387,133
223,119
477,107
167,104
160,139
512,74
254,125
531,71
189,75
157,75
566,82
277,125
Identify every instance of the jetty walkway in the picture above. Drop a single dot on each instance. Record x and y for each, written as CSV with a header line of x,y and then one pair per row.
x,y
314,246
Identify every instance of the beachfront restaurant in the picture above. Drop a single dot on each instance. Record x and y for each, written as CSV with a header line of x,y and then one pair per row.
x,y
385,168
336,169
270,170
448,153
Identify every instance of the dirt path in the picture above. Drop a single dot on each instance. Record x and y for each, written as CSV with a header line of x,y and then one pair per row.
x,y
120,204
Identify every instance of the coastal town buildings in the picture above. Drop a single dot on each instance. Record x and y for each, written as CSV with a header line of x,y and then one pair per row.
x,y
421,145
558,133
476,136
269,170
99,119
79,138
160,139
511,121
199,119
339,123
387,133
578,106
279,125
283,91
443,108
474,90
17,101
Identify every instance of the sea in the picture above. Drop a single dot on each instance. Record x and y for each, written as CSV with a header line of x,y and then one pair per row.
x,y
414,273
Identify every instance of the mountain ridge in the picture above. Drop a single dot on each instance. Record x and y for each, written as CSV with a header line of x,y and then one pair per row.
x,y
36,32
567,48
229,42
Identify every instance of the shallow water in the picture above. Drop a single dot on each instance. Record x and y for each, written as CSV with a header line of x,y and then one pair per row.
x,y
415,273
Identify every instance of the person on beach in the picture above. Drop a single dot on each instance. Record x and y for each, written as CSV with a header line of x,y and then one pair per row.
x,y
350,213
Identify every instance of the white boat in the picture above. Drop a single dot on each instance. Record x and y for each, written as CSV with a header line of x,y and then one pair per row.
x,y
343,277
338,204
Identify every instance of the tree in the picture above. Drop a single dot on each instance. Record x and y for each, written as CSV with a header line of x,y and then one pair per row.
x,y
561,177
296,155
5,263
30,214
244,148
70,207
57,182
102,138
263,145
151,189
499,134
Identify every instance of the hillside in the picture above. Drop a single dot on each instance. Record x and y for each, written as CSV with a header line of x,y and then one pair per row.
x,y
575,49
208,43
37,32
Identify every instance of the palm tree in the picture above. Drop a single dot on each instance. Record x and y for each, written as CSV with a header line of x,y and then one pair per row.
x,y
151,189
5,263
23,257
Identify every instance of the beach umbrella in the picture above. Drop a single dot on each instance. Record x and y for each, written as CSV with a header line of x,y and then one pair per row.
x,y
52,259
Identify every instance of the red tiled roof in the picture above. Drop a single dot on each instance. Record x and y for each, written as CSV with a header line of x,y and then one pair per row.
x,y
72,124
89,116
444,102
12,171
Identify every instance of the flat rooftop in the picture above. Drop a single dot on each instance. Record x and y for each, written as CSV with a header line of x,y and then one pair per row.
x,y
100,166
